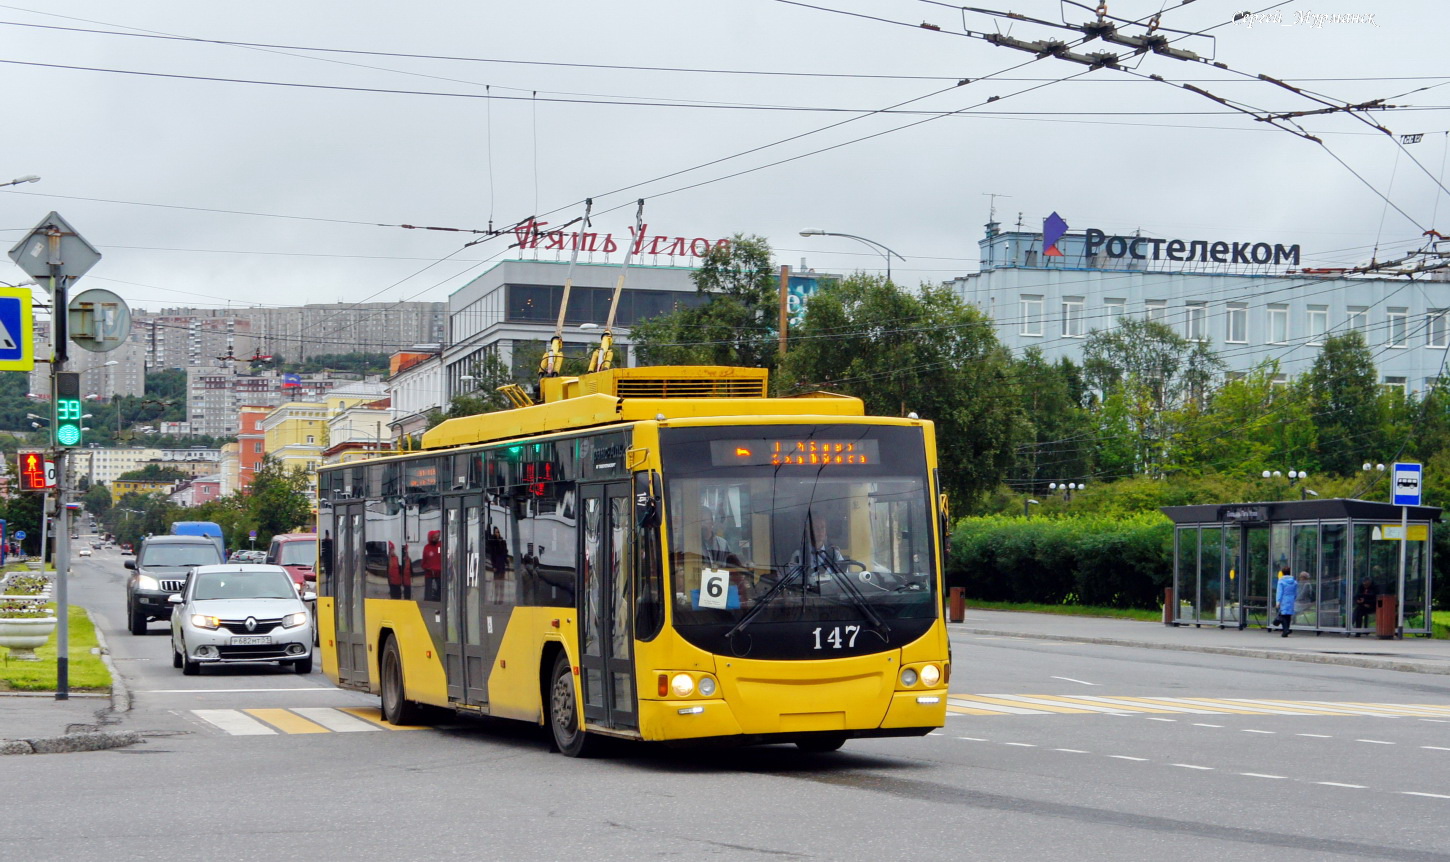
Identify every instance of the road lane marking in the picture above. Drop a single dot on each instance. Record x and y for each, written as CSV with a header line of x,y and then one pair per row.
x,y
1434,748
1315,735
287,722
1020,744
1070,679
1050,700
1200,724
1375,741
1337,784
1259,775
1072,750
972,738
233,722
333,720
1431,795
1126,757
230,690
1155,718
1191,766
1247,730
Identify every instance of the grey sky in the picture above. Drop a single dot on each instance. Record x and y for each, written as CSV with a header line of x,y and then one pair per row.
x,y
1106,150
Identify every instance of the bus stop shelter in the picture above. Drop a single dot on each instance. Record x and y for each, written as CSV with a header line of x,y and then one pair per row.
x,y
1226,559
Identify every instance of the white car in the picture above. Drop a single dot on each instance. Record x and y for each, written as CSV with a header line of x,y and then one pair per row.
x,y
85,552
240,613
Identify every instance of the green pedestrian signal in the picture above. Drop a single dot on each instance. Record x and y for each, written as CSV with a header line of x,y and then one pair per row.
x,y
68,409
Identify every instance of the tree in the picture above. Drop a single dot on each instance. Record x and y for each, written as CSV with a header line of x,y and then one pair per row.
x,y
736,322
153,473
1058,431
1347,411
97,499
1155,379
930,354
280,500
488,375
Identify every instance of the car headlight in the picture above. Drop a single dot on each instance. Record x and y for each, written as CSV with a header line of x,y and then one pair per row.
x,y
292,621
707,686
908,677
683,685
146,582
930,675
202,621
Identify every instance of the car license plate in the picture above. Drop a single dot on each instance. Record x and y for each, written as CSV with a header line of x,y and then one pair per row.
x,y
251,641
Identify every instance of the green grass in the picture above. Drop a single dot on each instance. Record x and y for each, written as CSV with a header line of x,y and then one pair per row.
x,y
1441,623
87,671
1069,610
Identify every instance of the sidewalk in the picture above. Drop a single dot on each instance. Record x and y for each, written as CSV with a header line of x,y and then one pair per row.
x,y
37,723
1413,654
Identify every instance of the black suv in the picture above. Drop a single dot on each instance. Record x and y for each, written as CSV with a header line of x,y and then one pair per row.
x,y
159,572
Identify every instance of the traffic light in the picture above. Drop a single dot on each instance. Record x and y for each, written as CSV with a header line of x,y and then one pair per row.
x,y
68,408
32,471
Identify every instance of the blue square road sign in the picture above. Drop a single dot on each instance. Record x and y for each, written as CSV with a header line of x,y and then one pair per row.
x,y
1407,478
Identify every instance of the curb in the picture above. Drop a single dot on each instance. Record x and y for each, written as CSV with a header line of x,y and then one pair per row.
x,y
69,743
120,695
1405,665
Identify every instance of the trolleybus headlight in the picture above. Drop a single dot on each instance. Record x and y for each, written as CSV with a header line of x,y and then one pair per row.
x,y
930,675
683,685
908,677
707,686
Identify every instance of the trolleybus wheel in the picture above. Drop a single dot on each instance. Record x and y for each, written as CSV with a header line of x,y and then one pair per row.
x,y
821,744
397,709
569,737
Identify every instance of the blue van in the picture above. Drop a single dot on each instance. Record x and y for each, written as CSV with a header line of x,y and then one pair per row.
x,y
209,529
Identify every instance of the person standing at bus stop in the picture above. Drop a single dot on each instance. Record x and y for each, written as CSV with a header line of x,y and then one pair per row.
x,y
1284,596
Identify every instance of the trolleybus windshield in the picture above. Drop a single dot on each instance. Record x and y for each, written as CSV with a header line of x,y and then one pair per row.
x,y
799,541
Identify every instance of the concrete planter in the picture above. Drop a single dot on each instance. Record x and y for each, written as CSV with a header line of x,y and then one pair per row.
x,y
23,634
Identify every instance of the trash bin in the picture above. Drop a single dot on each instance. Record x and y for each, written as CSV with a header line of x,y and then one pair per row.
x,y
1168,606
957,610
1386,616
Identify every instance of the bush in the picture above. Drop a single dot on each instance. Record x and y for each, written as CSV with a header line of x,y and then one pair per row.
x,y
1122,562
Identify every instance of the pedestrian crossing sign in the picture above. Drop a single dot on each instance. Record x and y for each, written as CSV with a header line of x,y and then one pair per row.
x,y
17,351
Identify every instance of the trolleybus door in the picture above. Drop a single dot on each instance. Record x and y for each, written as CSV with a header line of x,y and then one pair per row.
x,y
606,632
351,636
465,658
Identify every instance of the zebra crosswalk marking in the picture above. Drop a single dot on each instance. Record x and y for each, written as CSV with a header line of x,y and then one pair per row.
x,y
333,720
1042,700
1032,706
286,721
375,716
233,722
297,720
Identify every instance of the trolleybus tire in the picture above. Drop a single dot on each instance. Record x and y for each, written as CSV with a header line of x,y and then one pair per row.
x,y
569,737
821,744
397,709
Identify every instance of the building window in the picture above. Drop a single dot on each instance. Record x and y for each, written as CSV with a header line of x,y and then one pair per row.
x,y
1072,326
1278,324
1237,323
1399,327
1195,321
257,447
1318,323
1435,326
1397,383
1157,310
1358,318
1113,310
1031,315
311,439
1031,258
1280,380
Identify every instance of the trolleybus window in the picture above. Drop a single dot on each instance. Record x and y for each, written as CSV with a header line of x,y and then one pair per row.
x,y
799,542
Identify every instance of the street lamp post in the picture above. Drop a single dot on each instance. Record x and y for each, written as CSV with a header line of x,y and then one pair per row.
x,y
28,178
886,252
1027,505
1295,477
1066,488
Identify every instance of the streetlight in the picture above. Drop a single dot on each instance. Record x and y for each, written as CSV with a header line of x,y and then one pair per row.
x,y
1026,504
886,252
1295,476
1066,488
28,178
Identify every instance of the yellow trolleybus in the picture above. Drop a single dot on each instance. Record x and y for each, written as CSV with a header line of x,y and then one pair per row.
x,y
662,554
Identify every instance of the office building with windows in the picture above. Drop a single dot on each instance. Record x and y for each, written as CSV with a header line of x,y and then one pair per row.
x,y
1249,301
